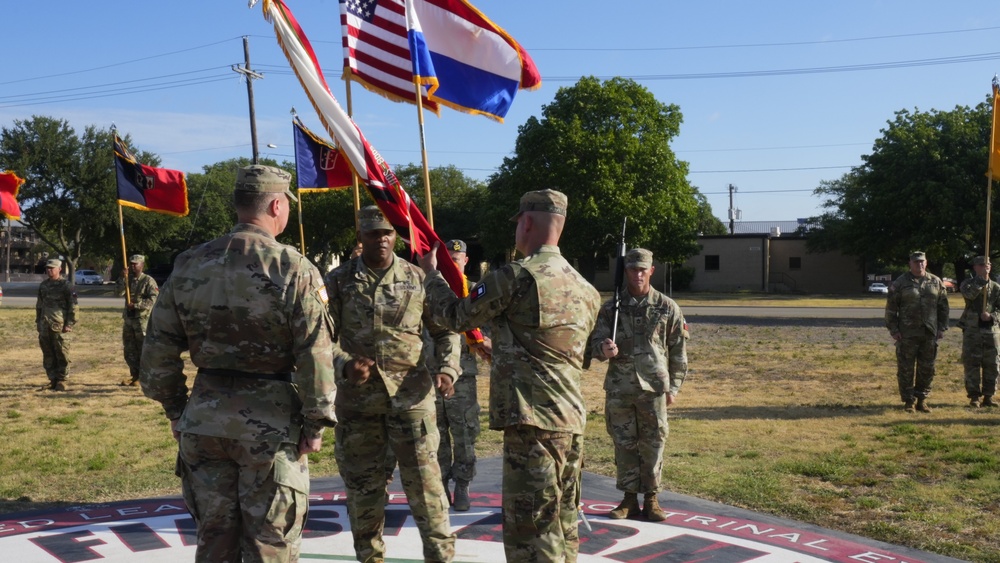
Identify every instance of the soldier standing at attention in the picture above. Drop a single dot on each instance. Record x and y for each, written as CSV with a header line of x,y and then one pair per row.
x,y
142,293
379,308
252,312
542,312
916,314
981,334
648,363
55,315
458,416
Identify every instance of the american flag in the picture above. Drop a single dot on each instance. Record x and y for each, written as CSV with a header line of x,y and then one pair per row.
x,y
376,48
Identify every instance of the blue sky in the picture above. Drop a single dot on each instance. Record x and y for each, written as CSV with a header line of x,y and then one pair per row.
x,y
762,108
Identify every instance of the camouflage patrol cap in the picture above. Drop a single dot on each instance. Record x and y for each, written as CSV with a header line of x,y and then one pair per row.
x,y
548,201
455,245
918,255
370,218
53,263
979,261
639,258
137,259
264,179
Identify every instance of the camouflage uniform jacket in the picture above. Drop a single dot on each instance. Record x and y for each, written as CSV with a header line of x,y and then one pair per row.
x,y
916,306
542,312
56,305
246,303
143,292
383,320
652,344
972,289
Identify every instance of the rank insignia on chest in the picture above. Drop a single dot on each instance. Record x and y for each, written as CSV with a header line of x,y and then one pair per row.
x,y
478,291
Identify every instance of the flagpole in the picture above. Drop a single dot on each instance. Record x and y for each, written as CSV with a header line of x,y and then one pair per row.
x,y
302,232
989,182
354,176
121,229
423,153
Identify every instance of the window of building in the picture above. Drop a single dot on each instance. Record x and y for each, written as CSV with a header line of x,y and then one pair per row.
x,y
711,262
794,263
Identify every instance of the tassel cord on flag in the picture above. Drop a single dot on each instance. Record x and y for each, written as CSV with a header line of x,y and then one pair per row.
x,y
423,152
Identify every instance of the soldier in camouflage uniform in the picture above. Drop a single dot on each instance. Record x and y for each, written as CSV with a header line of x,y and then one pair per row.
x,y
142,293
981,334
916,314
379,308
648,363
541,312
55,315
253,314
458,416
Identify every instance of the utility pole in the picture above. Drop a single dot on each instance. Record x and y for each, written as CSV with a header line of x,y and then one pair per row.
x,y
733,212
250,75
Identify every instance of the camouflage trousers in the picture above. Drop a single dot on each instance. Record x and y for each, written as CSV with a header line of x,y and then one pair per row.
x,y
55,354
458,424
637,424
541,494
362,440
133,335
919,351
981,360
248,499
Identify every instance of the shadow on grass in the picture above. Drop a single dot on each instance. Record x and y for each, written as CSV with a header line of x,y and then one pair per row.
x,y
798,412
819,322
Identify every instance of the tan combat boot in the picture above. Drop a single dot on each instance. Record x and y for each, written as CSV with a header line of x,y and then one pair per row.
x,y
461,503
908,405
629,508
651,508
922,405
988,401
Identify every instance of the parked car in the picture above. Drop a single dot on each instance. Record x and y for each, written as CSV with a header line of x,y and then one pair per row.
x,y
949,285
878,287
88,277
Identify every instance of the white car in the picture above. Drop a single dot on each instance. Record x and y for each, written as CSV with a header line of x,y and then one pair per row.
x,y
878,287
88,277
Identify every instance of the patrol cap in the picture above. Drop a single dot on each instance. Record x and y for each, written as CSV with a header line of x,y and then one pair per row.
x,y
370,218
548,201
137,259
918,255
53,263
264,179
639,258
979,261
455,245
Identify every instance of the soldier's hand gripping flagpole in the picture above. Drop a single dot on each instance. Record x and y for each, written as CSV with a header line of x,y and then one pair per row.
x,y
619,279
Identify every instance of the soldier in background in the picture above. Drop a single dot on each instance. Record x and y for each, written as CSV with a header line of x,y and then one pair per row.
x,y
981,334
379,308
648,364
252,312
916,314
542,311
55,315
458,416
142,292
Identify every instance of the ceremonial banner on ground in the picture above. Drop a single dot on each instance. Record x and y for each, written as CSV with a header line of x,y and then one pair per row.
x,y
319,166
147,188
10,183
466,61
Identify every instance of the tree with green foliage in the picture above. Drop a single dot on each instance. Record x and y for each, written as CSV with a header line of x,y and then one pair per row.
x,y
457,198
607,147
922,187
